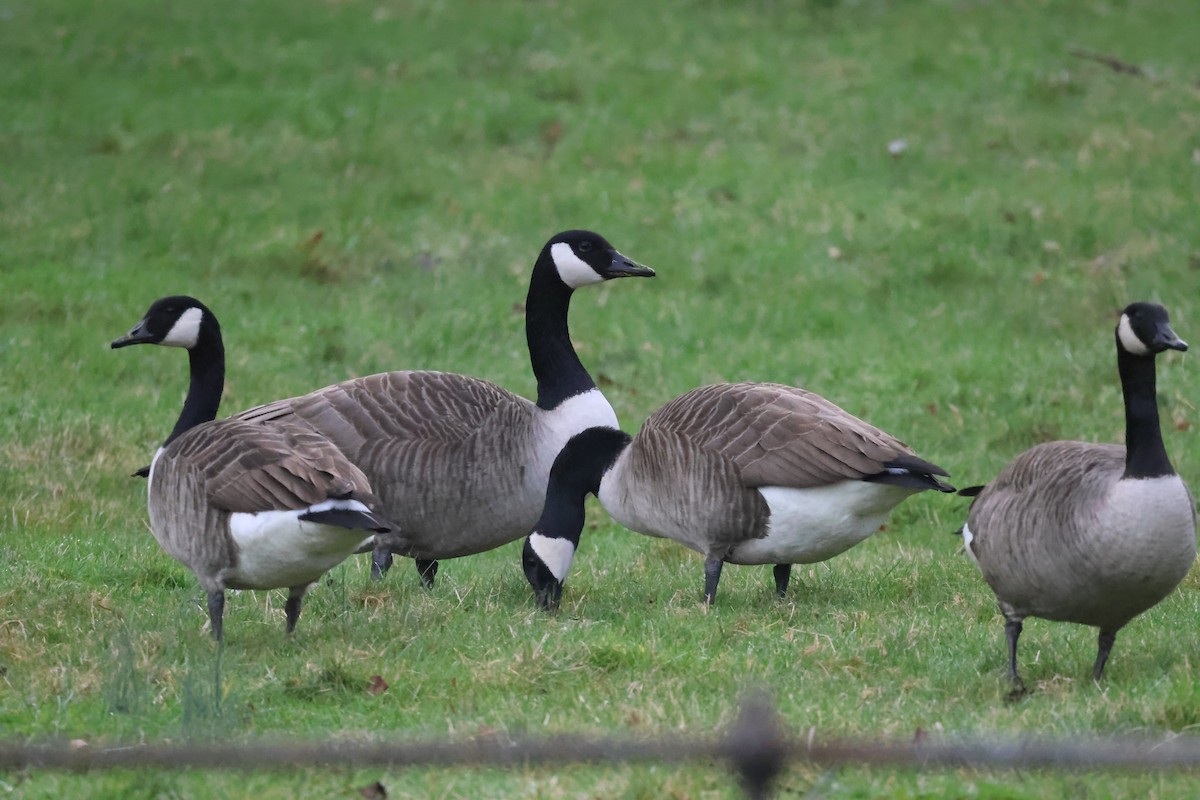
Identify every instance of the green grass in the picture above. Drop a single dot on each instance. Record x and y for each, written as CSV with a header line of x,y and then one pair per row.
x,y
960,296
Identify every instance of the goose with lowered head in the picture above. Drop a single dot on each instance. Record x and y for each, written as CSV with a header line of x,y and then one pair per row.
x,y
744,473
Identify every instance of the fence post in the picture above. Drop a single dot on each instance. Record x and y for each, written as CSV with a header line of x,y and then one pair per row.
x,y
756,745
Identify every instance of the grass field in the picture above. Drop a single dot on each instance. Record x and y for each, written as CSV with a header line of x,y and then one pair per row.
x,y
355,187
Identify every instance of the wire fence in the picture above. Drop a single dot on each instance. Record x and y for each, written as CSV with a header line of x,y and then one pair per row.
x,y
756,746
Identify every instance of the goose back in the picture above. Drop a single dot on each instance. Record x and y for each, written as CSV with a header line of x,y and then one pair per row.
x,y
778,435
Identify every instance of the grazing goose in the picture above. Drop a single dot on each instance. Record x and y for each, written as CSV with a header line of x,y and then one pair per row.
x,y
745,473
459,463
1090,533
240,505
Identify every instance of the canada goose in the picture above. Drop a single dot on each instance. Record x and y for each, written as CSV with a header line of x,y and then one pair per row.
x,y
745,473
1090,533
460,464
241,505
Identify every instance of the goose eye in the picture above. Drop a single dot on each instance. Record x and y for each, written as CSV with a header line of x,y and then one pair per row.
x,y
584,246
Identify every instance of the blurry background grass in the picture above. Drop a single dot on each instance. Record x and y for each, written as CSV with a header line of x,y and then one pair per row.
x,y
362,186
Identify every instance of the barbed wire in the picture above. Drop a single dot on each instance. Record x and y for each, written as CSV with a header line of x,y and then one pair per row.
x,y
756,746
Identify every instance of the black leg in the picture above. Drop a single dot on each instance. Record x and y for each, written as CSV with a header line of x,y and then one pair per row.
x,y
292,607
1012,630
216,610
381,562
1106,642
712,576
428,570
783,574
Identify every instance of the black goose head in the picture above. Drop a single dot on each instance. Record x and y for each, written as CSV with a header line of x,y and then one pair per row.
x,y
581,258
1144,330
177,321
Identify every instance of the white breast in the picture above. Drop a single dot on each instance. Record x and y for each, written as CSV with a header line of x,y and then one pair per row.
x,y
1146,522
590,409
810,525
278,549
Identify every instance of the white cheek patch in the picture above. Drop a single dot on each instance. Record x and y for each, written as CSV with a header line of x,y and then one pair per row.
x,y
572,269
186,330
1129,339
556,554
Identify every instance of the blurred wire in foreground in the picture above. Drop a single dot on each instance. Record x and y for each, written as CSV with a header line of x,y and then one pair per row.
x,y
756,746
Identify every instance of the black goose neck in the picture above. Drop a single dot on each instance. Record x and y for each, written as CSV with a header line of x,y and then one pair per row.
x,y
577,472
1145,453
207,367
559,372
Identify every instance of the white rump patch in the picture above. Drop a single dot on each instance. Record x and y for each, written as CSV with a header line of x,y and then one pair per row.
x,y
150,483
278,549
556,554
342,505
572,269
1129,339
810,525
969,537
186,330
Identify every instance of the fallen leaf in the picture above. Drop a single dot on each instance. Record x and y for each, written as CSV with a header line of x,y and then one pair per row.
x,y
376,685
312,241
374,791
552,131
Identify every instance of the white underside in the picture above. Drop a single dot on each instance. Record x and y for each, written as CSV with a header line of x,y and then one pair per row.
x,y
277,548
556,554
810,525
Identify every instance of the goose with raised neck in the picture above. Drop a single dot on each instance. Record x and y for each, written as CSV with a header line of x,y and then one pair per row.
x,y
1094,534
461,464
241,506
